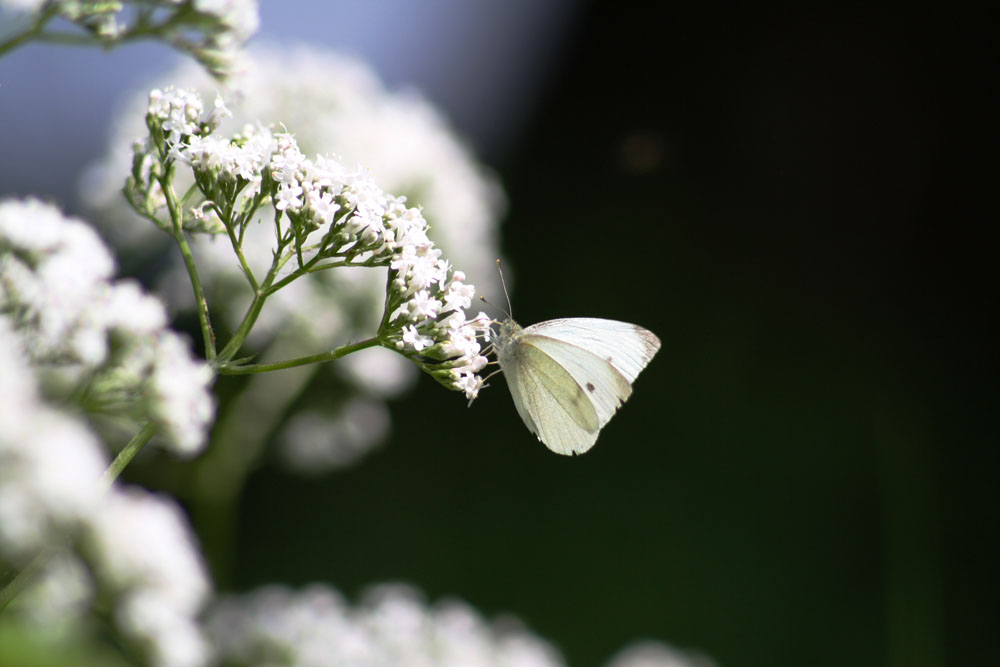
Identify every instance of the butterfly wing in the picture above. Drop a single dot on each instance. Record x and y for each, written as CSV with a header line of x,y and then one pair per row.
x,y
602,385
627,347
604,357
552,404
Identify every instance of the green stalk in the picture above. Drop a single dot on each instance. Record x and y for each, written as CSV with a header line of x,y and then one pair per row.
x,y
336,353
18,583
253,312
238,249
236,342
126,455
176,217
33,32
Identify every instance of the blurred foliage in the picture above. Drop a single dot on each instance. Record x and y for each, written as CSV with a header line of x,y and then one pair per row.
x,y
30,645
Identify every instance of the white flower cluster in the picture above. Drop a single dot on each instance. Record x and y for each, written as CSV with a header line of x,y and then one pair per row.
x,y
213,31
334,103
179,112
146,557
337,104
238,19
331,213
133,545
428,312
50,463
392,627
88,334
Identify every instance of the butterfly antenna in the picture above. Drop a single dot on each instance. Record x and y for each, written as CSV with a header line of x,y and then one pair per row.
x,y
505,292
496,372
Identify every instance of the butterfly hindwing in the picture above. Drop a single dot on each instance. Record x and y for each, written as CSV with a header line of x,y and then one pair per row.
x,y
561,417
559,384
605,387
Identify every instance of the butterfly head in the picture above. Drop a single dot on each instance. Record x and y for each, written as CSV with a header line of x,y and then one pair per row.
x,y
506,337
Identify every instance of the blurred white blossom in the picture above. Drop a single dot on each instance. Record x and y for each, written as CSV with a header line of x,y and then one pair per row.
x,y
651,653
147,557
391,627
316,440
103,340
22,5
137,548
50,463
60,594
179,390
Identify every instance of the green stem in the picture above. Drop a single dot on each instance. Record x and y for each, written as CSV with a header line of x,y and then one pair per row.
x,y
253,312
31,33
291,277
236,342
126,455
69,39
313,267
199,293
238,249
336,353
18,583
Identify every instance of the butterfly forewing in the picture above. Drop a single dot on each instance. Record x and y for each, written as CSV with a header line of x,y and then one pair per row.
x,y
627,347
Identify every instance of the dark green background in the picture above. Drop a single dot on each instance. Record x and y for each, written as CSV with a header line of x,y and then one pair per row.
x,y
805,474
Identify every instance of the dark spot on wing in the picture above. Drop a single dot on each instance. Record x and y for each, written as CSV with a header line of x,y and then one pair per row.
x,y
591,388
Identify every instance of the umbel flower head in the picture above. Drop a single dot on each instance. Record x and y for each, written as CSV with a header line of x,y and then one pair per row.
x,y
427,320
332,102
326,215
102,341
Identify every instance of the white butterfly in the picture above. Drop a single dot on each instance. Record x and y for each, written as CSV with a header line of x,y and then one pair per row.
x,y
568,377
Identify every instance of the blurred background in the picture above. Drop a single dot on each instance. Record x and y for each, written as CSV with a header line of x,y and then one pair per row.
x,y
792,200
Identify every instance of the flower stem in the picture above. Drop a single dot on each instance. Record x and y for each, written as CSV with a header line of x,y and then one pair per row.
x,y
253,312
126,455
31,33
313,266
238,249
21,579
236,342
336,353
199,293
